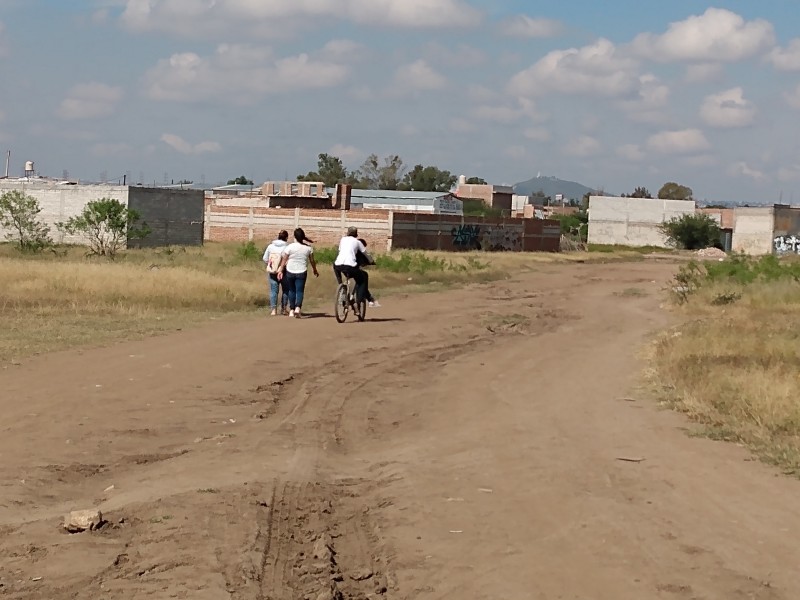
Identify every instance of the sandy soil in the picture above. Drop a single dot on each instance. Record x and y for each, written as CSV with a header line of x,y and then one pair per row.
x,y
480,443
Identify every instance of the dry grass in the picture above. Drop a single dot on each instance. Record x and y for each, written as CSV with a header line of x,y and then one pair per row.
x,y
64,299
734,367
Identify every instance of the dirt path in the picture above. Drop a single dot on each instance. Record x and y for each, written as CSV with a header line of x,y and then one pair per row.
x,y
458,445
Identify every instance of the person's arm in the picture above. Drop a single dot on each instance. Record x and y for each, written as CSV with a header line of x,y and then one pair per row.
x,y
265,258
313,264
282,265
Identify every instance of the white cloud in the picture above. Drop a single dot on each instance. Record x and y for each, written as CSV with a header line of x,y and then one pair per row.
x,y
529,27
419,75
582,146
792,97
240,74
516,152
651,98
344,51
462,125
685,141
728,109
184,147
786,59
631,152
459,56
718,35
743,169
597,69
345,152
190,17
498,114
704,73
537,134
90,101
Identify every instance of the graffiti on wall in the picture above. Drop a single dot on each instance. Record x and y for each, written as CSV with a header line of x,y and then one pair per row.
x,y
493,238
466,236
785,244
498,239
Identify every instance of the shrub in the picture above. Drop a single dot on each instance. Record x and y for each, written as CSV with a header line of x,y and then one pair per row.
x,y
20,213
108,225
692,231
248,251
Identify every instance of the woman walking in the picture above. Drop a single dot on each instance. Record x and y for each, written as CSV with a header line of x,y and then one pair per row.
x,y
272,257
293,270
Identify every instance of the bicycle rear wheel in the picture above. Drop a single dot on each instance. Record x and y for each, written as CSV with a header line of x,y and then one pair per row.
x,y
361,310
342,306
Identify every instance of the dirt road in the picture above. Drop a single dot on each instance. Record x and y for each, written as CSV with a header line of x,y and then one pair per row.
x,y
465,444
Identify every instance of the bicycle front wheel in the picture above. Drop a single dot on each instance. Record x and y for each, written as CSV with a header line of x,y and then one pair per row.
x,y
341,306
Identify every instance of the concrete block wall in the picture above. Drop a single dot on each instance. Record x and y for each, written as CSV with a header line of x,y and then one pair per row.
x,y
753,230
60,202
632,221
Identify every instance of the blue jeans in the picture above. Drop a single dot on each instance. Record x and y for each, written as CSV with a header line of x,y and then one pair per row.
x,y
296,286
275,287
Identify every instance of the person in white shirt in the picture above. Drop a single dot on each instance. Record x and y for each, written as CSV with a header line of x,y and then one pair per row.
x,y
294,269
272,258
346,262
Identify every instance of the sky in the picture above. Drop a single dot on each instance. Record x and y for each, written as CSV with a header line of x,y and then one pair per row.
x,y
614,95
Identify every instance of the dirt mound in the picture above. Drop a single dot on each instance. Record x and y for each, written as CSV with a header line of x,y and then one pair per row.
x,y
711,253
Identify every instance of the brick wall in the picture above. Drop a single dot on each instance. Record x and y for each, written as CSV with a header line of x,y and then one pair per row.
x,y
444,232
245,219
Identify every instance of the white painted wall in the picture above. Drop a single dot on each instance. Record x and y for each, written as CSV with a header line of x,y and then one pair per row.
x,y
632,221
60,202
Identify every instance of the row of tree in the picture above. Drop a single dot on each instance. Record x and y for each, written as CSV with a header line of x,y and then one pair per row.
x,y
668,191
389,173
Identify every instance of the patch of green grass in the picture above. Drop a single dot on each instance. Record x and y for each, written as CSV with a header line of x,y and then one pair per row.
x,y
248,251
609,248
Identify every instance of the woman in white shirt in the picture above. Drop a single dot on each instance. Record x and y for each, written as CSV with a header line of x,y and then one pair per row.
x,y
293,269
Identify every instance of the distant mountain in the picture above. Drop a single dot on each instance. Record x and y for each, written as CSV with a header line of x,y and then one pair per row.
x,y
551,186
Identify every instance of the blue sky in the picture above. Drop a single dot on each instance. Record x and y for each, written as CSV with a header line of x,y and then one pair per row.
x,y
611,94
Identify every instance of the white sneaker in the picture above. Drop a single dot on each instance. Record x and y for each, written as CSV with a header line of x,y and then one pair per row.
x,y
273,313
375,304
296,313
291,312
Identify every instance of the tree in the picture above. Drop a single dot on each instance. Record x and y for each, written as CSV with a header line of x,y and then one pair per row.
x,y
428,179
241,180
476,181
20,213
374,176
107,224
642,192
330,171
674,191
692,231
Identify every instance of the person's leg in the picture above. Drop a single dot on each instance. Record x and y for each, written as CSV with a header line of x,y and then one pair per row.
x,y
289,278
361,278
337,271
367,294
300,288
284,296
273,292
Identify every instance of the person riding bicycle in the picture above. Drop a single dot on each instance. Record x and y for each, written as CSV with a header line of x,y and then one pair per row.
x,y
346,263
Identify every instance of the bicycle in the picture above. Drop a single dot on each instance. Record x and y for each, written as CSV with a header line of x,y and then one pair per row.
x,y
346,302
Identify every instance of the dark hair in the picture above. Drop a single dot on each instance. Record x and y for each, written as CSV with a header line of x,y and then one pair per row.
x,y
301,238
283,235
363,242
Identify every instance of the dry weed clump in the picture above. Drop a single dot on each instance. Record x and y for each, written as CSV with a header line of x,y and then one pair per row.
x,y
734,365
